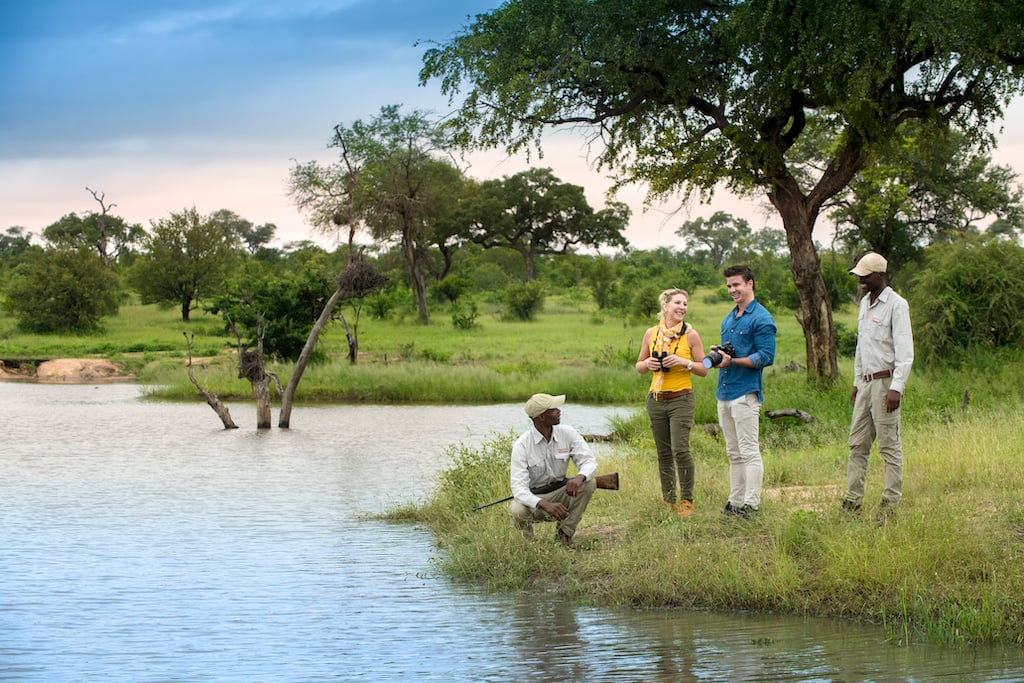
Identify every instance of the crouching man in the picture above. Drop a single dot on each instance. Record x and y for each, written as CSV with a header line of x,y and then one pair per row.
x,y
540,460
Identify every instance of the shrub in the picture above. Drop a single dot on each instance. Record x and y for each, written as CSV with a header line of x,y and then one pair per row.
x,y
966,299
464,318
524,300
62,290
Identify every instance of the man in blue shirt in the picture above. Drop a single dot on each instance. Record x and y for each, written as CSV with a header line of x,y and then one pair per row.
x,y
750,329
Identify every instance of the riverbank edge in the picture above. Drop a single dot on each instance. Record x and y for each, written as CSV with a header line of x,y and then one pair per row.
x,y
948,573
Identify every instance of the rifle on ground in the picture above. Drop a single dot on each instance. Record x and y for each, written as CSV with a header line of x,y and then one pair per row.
x,y
604,481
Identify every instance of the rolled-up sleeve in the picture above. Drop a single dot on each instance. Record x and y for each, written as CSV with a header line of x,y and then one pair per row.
x,y
582,456
764,342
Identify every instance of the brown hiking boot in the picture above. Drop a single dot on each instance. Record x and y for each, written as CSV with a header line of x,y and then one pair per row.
x,y
684,508
565,539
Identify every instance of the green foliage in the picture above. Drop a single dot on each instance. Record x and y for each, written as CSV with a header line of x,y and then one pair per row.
x,y
534,213
452,287
382,304
524,300
281,309
600,278
464,316
646,304
108,236
846,340
966,300
62,290
186,258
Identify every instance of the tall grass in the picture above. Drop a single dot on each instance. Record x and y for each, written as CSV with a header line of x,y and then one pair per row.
x,y
947,568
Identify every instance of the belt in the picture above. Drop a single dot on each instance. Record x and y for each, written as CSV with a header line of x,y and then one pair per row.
x,y
664,395
549,487
881,374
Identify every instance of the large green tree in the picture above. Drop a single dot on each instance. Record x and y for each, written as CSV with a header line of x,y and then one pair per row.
x,y
62,289
185,258
534,213
393,178
686,95
108,235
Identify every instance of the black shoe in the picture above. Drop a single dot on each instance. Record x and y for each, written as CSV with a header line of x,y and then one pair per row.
x,y
733,511
886,513
748,511
850,507
565,539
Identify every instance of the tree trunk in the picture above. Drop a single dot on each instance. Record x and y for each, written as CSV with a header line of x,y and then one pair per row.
x,y
212,399
284,419
417,280
798,219
261,392
186,306
353,342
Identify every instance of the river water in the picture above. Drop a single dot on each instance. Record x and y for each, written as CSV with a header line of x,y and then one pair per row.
x,y
139,541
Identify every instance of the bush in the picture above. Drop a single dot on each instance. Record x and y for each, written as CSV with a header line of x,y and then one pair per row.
x,y
524,300
464,318
62,290
966,299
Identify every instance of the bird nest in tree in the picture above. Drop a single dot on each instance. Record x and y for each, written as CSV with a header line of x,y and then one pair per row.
x,y
359,279
250,366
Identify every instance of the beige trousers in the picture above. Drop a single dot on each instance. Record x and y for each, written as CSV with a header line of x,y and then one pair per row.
x,y
524,517
871,423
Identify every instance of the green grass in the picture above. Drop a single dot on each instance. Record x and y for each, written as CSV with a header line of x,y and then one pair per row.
x,y
947,569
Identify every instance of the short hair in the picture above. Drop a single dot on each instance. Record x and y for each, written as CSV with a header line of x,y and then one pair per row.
x,y
745,271
667,295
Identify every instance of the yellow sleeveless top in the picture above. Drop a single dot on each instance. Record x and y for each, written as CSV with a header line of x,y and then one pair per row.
x,y
677,378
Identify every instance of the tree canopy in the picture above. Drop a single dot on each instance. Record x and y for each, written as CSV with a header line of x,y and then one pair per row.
x,y
685,96
186,257
534,213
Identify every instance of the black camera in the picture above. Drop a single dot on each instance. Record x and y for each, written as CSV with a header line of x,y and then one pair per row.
x,y
660,357
715,357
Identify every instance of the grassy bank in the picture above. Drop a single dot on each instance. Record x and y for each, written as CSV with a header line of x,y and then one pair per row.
x,y
947,568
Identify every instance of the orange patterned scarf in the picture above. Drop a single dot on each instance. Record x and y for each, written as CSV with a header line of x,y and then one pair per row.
x,y
666,341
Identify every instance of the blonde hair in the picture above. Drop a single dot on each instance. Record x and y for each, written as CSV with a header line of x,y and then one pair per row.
x,y
666,296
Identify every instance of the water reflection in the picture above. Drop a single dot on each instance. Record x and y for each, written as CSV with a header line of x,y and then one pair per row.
x,y
141,542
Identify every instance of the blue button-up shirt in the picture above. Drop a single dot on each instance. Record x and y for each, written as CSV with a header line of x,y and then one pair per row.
x,y
753,335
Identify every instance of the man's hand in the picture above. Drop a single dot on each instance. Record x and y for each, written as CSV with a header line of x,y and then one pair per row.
x,y
892,401
556,510
572,487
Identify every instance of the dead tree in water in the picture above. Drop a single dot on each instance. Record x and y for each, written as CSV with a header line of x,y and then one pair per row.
x,y
211,398
357,280
251,367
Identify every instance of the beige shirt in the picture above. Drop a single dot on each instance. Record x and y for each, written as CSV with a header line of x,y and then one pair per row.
x,y
884,339
536,461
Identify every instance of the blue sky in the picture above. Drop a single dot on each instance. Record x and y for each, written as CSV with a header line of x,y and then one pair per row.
x,y
164,105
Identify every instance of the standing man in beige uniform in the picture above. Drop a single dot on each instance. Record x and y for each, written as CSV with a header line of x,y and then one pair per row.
x,y
881,366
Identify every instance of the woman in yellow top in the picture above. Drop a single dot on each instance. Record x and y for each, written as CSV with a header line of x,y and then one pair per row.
x,y
672,351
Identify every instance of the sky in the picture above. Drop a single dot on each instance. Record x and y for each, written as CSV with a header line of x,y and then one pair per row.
x,y
165,105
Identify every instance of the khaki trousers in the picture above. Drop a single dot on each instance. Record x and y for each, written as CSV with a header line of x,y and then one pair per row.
x,y
871,423
523,517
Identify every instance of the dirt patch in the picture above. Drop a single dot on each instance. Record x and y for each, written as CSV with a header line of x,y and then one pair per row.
x,y
68,371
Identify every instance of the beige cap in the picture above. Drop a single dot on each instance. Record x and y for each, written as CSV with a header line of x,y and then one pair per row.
x,y
870,263
538,403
